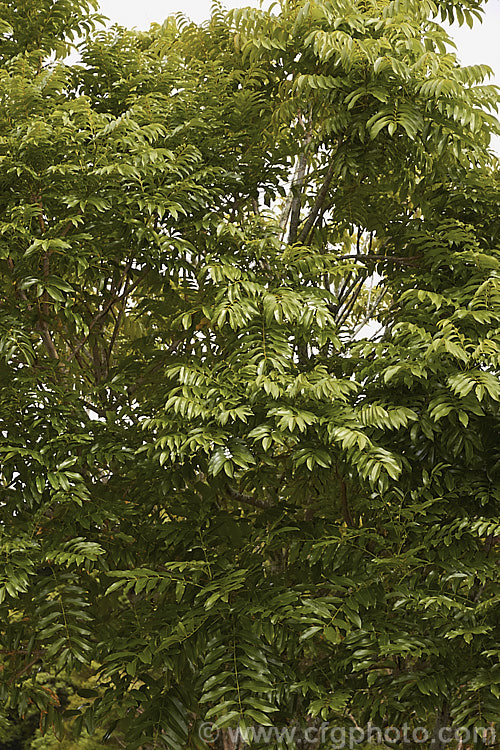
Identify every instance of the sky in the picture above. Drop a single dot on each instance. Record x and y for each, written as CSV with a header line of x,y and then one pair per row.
x,y
478,45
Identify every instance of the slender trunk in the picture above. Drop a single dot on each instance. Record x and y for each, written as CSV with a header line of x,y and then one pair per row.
x,y
439,737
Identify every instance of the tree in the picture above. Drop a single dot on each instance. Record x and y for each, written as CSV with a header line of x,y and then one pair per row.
x,y
249,329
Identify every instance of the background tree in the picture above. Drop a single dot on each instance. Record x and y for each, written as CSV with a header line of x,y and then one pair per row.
x,y
227,494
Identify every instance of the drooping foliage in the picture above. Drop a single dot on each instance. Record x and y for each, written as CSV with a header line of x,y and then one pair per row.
x,y
249,329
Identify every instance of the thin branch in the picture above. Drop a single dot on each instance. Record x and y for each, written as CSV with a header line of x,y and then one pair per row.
x,y
344,504
79,357
318,205
25,669
14,651
478,587
92,407
102,313
371,310
341,292
247,499
115,333
285,214
296,197
70,224
342,315
20,293
44,308
346,513
369,300
41,220
172,348
47,340
114,288
297,185
346,292
411,259
41,325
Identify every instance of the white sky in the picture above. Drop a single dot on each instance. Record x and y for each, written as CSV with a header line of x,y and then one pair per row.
x,y
478,45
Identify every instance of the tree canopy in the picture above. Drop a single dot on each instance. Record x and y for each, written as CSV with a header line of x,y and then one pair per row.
x,y
249,339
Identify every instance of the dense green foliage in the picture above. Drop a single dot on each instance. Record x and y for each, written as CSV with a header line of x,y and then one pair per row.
x,y
249,328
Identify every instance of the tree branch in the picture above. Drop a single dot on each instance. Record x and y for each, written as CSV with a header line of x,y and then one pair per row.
x,y
342,315
442,721
344,505
172,348
247,499
115,333
371,310
47,340
411,259
102,313
297,186
318,205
